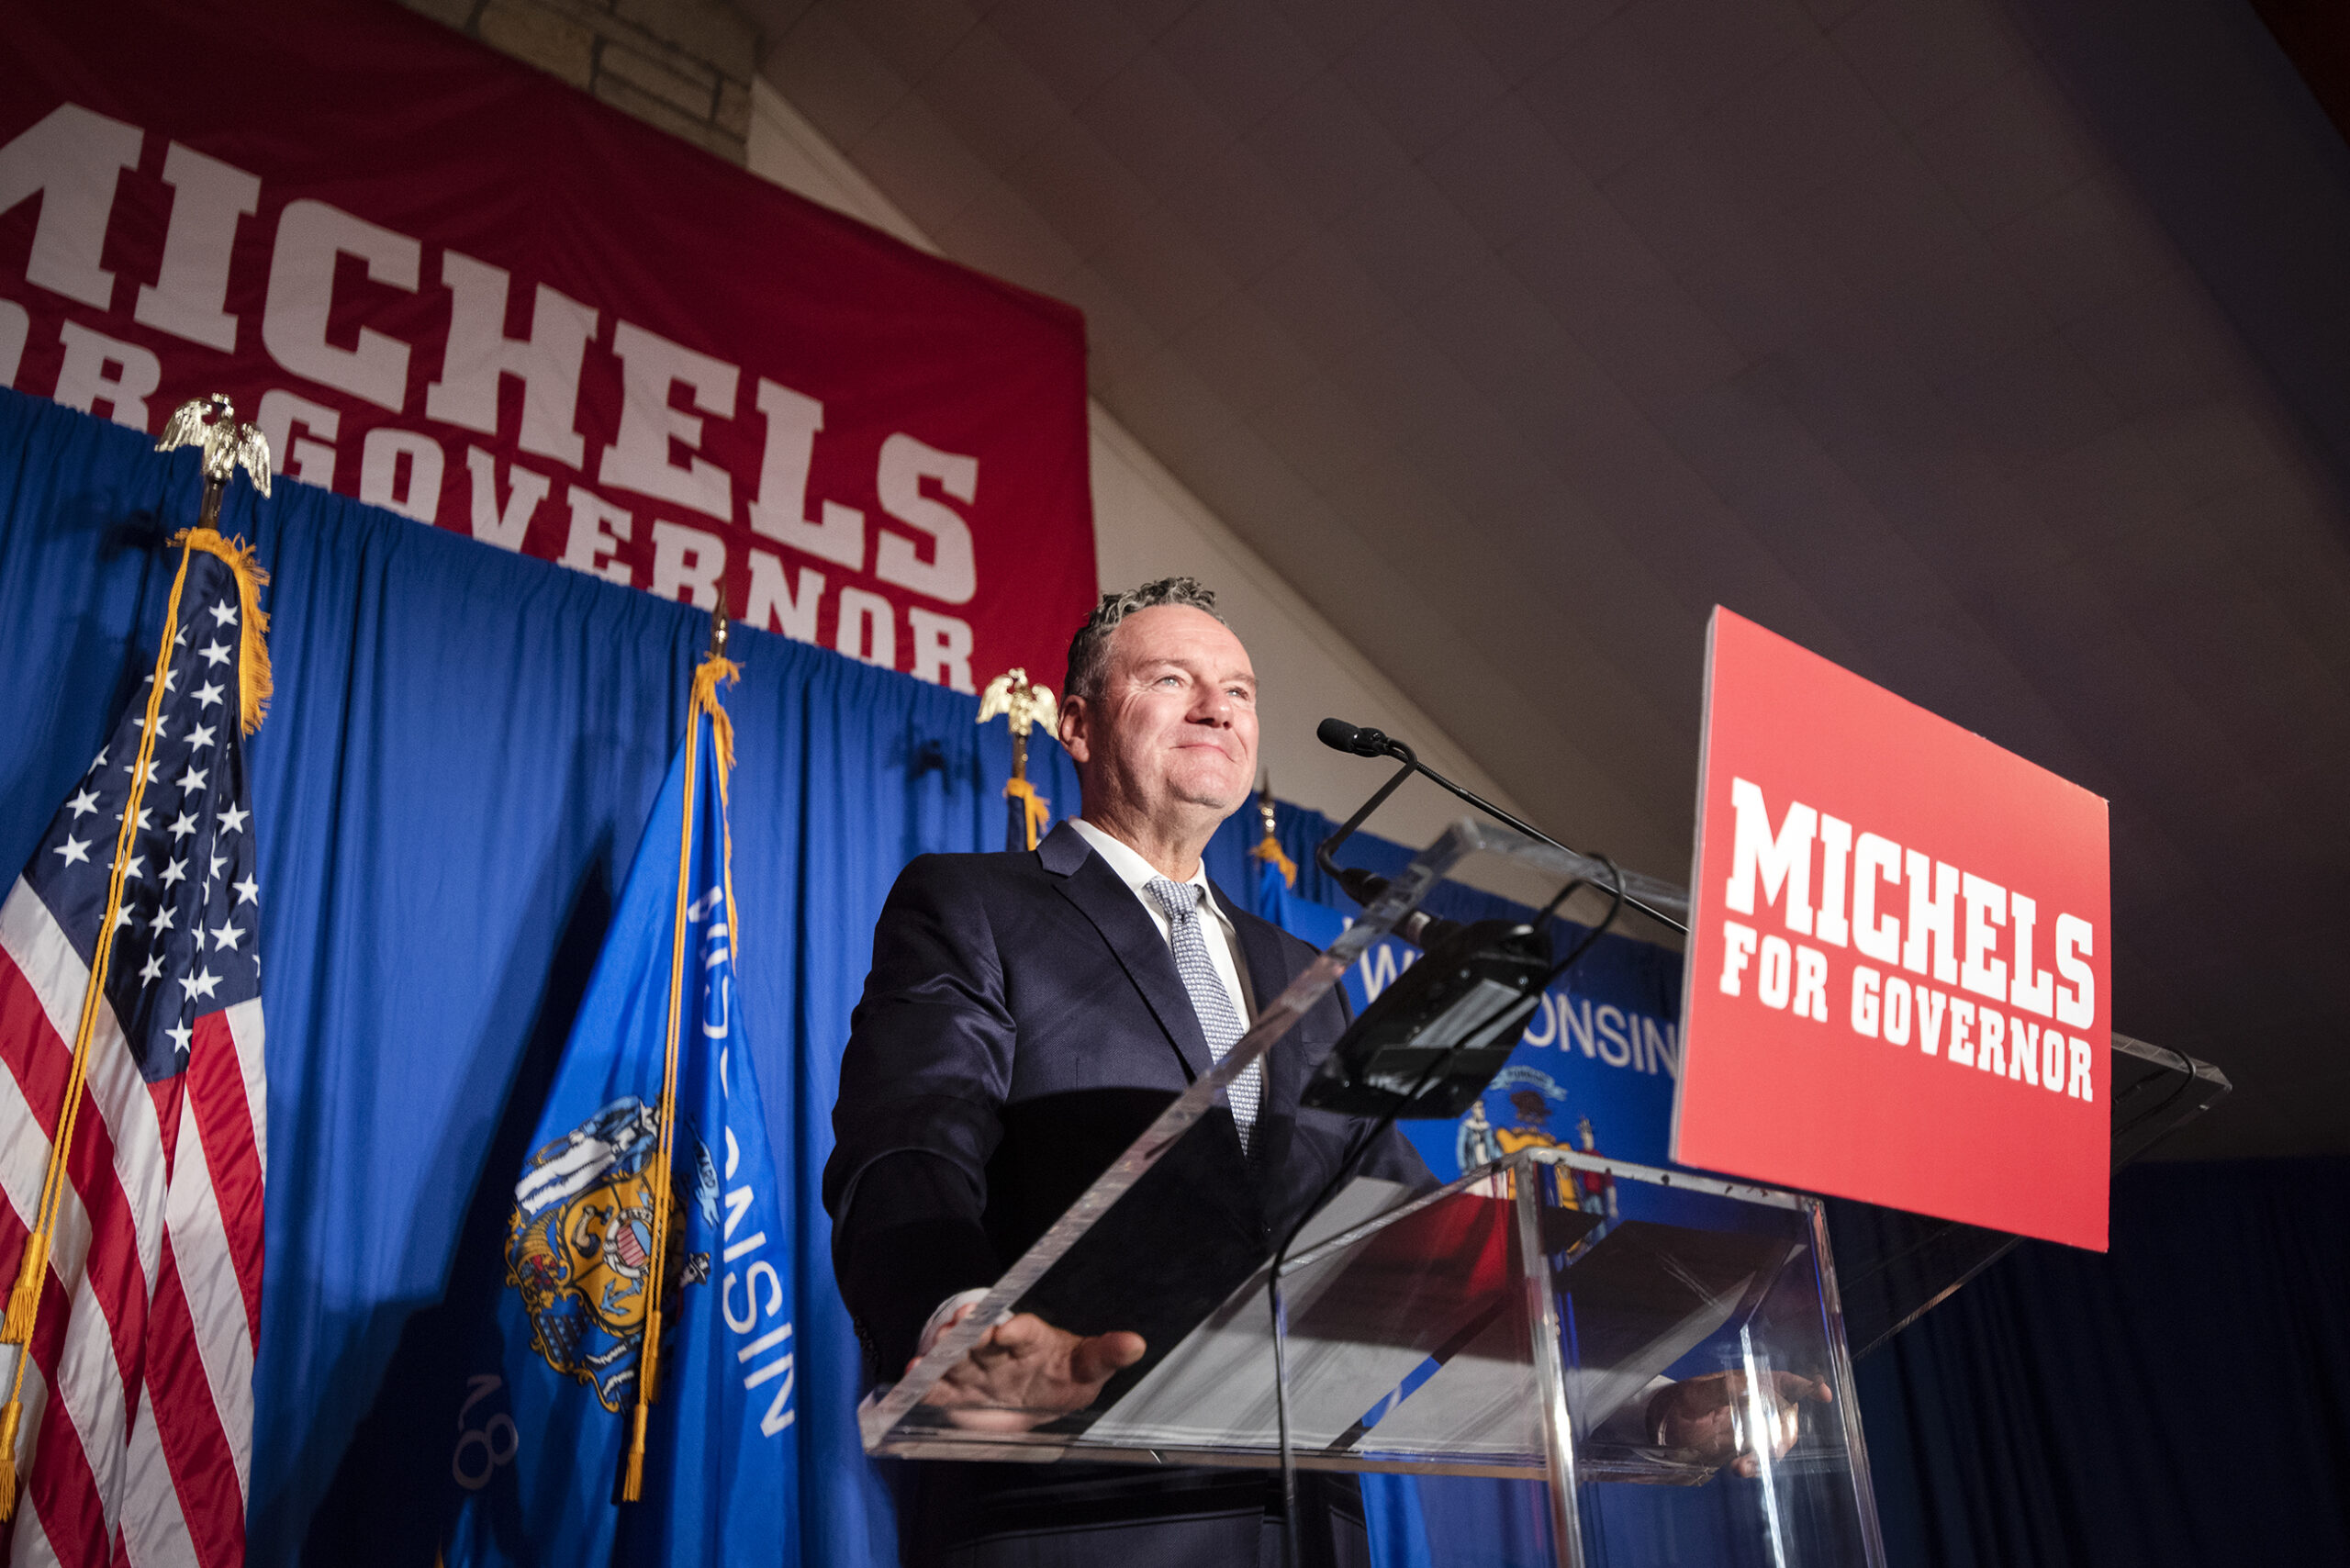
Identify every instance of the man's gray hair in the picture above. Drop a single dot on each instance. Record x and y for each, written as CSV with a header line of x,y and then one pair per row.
x,y
1088,651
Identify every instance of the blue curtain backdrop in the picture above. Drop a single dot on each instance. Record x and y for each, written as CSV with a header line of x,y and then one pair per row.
x,y
2182,1401
461,755
457,765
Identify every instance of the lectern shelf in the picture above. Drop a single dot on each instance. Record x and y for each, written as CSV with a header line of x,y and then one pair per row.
x,y
1491,1329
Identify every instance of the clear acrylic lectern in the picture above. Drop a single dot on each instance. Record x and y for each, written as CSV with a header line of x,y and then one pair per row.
x,y
1579,1347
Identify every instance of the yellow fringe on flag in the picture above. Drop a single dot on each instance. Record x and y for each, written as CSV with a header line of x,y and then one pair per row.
x,y
253,683
632,1472
253,701
715,671
1037,810
11,1416
24,1301
1269,849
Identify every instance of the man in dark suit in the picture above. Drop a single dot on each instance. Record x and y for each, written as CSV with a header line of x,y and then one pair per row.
x,y
1025,1018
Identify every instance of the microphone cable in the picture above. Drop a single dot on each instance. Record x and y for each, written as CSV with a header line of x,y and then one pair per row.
x,y
1348,1167
1362,741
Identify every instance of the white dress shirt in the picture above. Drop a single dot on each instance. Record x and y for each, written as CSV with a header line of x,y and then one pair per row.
x,y
1224,940
1224,953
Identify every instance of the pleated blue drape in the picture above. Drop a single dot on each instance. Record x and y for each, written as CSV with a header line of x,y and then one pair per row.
x,y
458,762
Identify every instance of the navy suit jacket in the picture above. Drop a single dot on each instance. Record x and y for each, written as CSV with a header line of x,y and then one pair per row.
x,y
1022,1023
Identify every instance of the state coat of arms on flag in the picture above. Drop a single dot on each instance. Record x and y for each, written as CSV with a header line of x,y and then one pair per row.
x,y
643,1340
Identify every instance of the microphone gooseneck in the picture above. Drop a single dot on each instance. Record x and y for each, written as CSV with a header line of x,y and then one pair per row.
x,y
1339,735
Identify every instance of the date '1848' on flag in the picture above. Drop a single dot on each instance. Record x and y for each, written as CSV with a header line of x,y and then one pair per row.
x,y
1898,954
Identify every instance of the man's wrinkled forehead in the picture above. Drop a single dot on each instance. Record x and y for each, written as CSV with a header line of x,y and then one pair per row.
x,y
1178,635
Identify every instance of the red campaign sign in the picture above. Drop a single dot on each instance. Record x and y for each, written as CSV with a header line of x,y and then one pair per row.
x,y
446,284
1899,941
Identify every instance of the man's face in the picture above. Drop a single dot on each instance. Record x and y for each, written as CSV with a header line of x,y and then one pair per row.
x,y
1172,737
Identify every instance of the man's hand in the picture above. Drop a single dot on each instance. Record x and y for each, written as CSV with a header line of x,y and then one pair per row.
x,y
1708,1415
1025,1372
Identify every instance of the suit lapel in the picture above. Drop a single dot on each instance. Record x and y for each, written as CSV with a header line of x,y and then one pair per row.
x,y
1087,882
1261,949
1268,976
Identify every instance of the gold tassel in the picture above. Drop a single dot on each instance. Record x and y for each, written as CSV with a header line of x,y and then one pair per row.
x,y
1268,850
648,1364
11,1415
715,671
632,1476
254,684
24,1301
1037,810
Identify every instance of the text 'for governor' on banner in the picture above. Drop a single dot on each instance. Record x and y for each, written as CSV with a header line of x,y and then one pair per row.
x,y
1896,988
456,288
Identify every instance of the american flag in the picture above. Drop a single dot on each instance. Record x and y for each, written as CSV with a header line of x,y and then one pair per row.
x,y
137,1405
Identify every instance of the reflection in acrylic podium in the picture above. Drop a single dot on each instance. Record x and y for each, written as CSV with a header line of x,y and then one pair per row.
x,y
1667,1383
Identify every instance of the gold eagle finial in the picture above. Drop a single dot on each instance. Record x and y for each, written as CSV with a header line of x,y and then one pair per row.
x,y
1024,701
211,423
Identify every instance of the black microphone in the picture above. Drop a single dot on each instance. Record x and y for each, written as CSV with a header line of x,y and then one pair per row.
x,y
1339,735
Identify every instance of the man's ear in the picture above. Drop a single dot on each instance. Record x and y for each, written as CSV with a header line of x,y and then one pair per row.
x,y
1072,731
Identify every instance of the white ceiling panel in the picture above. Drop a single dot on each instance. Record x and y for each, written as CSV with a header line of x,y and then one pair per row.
x,y
1517,333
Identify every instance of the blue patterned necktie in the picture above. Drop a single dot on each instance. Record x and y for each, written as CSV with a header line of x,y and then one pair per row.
x,y
1219,1020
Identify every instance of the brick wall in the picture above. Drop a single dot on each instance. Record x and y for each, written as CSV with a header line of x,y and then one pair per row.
x,y
684,65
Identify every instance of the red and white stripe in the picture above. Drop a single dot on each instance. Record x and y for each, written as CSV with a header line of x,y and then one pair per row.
x,y
138,1418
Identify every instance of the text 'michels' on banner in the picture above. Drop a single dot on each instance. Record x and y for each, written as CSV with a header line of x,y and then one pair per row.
x,y
1898,986
451,285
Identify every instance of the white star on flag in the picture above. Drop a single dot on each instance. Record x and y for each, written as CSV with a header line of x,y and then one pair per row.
x,y
233,819
247,891
128,880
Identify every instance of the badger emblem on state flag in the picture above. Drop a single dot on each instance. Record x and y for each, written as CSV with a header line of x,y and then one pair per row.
x,y
579,1241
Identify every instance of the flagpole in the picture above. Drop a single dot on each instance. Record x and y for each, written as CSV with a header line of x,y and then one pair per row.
x,y
715,666
1024,704
225,445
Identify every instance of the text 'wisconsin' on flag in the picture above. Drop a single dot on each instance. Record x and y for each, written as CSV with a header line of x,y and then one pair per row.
x,y
647,1217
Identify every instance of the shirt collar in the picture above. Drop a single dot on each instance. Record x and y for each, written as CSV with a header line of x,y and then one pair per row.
x,y
1138,873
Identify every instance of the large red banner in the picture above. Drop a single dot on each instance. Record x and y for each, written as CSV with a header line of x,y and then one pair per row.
x,y
449,285
1896,987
